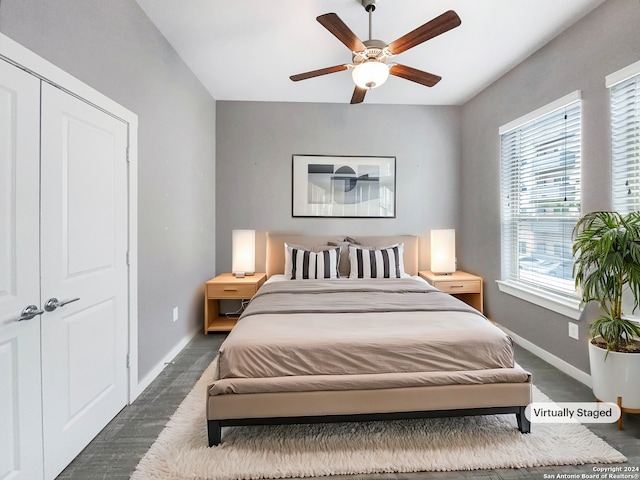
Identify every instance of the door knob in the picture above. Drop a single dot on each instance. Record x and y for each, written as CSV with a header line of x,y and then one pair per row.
x,y
53,303
29,312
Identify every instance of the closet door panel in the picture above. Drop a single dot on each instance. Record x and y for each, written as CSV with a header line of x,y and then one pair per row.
x,y
20,380
84,245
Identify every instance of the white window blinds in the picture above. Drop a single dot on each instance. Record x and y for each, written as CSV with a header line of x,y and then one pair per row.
x,y
625,144
540,188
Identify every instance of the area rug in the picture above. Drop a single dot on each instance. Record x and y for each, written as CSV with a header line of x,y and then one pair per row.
x,y
399,446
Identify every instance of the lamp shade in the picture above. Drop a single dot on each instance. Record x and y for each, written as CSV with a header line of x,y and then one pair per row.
x,y
244,252
370,74
443,251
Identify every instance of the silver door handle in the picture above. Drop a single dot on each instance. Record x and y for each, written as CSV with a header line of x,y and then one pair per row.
x,y
53,303
29,312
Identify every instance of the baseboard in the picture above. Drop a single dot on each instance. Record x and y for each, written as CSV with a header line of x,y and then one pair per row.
x,y
550,358
160,366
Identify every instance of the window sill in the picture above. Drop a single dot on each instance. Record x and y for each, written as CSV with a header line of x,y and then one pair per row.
x,y
564,306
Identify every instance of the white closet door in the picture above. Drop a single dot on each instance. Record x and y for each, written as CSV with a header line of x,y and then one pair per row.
x,y
20,410
84,245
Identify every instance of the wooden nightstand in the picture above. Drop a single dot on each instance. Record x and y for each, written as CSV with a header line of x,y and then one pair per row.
x,y
465,286
227,287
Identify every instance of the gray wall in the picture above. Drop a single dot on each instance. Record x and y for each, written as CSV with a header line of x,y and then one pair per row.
x,y
579,59
255,143
113,47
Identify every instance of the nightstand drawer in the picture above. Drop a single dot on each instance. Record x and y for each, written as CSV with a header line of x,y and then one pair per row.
x,y
231,291
458,286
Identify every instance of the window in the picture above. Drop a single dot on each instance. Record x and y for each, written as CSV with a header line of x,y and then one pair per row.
x,y
540,188
624,89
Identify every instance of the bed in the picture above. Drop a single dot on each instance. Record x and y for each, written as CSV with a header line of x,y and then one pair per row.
x,y
325,348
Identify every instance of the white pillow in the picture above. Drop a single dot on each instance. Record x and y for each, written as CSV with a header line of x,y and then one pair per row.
x,y
304,264
385,262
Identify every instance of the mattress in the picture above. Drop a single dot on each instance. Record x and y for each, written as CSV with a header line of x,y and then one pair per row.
x,y
360,334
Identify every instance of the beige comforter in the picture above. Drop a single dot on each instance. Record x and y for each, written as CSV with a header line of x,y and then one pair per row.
x,y
310,334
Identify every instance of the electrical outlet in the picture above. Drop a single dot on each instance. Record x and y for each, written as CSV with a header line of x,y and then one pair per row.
x,y
573,330
175,314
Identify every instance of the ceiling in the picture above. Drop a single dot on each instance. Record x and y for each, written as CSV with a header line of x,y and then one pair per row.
x,y
245,50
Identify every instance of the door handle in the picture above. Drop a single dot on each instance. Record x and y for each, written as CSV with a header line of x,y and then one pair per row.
x,y
29,312
53,303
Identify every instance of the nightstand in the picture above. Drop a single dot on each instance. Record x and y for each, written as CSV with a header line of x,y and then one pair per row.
x,y
463,285
227,287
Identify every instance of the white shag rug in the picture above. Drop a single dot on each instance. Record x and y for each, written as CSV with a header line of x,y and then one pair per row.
x,y
434,444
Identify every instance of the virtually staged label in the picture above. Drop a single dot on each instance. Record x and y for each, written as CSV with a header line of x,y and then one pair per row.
x,y
572,412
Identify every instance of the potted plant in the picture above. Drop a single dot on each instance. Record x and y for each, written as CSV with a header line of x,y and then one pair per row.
x,y
606,249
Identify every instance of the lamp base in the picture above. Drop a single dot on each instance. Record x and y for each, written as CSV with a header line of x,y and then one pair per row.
x,y
243,274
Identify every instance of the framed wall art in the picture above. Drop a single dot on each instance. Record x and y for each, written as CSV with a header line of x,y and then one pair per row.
x,y
344,186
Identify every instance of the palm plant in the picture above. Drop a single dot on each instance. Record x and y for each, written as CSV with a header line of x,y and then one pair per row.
x,y
606,248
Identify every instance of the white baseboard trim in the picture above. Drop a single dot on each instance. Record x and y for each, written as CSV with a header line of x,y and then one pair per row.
x,y
550,358
160,366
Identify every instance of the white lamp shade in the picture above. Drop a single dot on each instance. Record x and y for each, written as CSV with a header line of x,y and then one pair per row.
x,y
244,251
370,74
443,251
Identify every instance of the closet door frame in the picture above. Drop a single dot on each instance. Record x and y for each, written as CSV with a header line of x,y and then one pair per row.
x,y
25,59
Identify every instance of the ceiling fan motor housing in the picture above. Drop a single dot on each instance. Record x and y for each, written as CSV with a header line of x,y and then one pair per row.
x,y
376,50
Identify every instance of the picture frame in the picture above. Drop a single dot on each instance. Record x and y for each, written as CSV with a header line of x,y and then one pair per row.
x,y
343,186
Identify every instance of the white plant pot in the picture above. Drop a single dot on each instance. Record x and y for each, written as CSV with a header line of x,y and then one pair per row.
x,y
617,376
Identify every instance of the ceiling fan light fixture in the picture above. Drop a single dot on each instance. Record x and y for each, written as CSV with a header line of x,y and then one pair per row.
x,y
370,74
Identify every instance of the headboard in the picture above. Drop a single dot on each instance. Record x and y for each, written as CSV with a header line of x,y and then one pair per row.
x,y
275,248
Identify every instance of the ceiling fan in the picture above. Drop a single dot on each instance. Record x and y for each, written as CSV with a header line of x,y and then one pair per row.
x,y
370,67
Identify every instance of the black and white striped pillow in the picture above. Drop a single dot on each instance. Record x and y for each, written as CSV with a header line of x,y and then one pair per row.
x,y
305,265
377,263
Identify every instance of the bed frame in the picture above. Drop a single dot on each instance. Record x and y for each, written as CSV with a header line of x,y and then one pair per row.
x,y
362,405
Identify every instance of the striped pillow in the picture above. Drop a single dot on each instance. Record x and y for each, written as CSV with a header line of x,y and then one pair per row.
x,y
305,265
385,262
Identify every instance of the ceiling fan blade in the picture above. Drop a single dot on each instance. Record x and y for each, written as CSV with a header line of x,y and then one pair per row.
x,y
433,28
317,73
415,75
358,95
339,29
